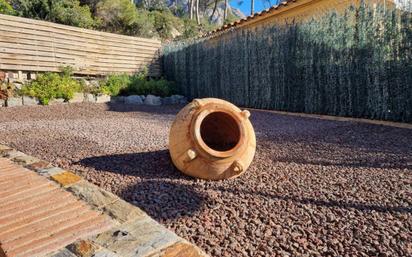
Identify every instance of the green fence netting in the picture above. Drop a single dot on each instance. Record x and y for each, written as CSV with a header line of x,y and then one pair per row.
x,y
357,63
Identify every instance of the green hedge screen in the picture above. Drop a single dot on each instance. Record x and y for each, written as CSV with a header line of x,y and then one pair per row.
x,y
356,64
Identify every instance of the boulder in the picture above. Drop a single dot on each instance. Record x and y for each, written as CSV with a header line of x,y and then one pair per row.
x,y
133,99
89,98
152,100
179,99
167,100
117,99
56,101
28,100
14,101
77,98
102,98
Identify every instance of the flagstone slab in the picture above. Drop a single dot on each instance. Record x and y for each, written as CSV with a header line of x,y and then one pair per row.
x,y
92,194
66,178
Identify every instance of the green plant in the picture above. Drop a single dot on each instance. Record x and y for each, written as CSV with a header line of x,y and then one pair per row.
x,y
114,84
6,8
142,86
191,28
50,85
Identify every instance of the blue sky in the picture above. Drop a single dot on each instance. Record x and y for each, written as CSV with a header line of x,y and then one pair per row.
x,y
244,5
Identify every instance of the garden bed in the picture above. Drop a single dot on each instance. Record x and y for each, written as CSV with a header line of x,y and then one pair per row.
x,y
315,186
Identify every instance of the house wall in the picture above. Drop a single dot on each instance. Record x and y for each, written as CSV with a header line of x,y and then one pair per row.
x,y
298,11
307,9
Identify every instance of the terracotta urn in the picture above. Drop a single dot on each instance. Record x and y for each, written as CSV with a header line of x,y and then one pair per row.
x,y
212,139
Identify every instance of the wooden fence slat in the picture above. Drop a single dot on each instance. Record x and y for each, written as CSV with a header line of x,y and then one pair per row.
x,y
74,41
31,45
85,32
17,38
49,51
69,62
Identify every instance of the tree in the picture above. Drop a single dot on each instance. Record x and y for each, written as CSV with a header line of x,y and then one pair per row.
x,y
71,13
67,12
214,10
191,8
197,12
36,9
116,15
225,12
5,8
91,3
252,7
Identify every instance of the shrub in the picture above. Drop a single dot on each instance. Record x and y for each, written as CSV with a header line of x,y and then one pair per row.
x,y
139,86
50,85
114,83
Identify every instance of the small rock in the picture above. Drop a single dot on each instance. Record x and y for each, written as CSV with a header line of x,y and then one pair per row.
x,y
133,99
56,101
14,101
27,100
102,99
77,98
152,100
89,98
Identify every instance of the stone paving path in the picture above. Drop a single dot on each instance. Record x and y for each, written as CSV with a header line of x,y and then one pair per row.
x,y
47,211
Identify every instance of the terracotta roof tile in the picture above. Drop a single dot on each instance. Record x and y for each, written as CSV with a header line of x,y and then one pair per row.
x,y
250,17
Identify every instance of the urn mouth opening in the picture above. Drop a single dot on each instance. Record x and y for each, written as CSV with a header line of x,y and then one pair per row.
x,y
220,131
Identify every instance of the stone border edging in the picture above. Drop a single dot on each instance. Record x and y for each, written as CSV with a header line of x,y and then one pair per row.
x,y
134,233
90,98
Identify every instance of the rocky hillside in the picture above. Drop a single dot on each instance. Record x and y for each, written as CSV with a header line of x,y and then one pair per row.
x,y
206,10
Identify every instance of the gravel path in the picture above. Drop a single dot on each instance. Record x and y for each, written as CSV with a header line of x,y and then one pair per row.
x,y
316,187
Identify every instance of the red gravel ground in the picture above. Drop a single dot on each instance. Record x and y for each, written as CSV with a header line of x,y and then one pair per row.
x,y
316,187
